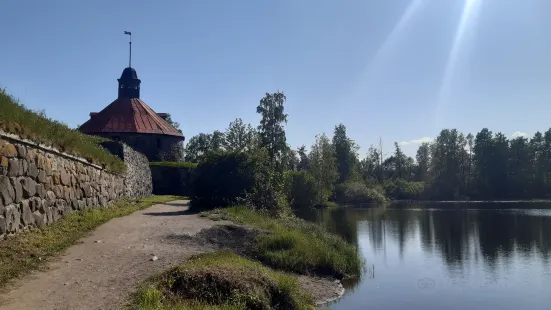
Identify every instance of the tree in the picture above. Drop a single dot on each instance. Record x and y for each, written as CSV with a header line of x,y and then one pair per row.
x,y
423,162
323,166
537,159
498,166
172,123
272,132
345,152
470,145
519,168
289,159
447,164
483,149
199,146
239,137
304,161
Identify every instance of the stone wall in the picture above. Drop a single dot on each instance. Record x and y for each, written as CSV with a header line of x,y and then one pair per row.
x,y
137,180
171,180
40,185
155,147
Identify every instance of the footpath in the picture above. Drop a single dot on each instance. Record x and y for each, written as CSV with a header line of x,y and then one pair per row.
x,y
103,269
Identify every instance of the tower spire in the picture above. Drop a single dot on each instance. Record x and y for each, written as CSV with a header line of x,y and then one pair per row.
x,y
130,47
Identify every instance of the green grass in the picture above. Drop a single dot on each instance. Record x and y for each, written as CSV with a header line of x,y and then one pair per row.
x,y
31,249
296,245
174,164
221,280
17,119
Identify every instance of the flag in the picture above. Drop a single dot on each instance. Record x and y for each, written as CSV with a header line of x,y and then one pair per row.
x,y
128,32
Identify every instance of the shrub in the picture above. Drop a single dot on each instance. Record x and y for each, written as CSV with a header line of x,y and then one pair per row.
x,y
358,192
228,178
19,120
223,179
300,189
401,189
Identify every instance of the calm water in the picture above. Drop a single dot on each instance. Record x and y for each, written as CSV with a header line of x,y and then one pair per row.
x,y
447,256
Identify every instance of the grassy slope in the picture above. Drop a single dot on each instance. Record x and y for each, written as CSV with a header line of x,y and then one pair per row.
x,y
296,245
221,280
17,119
28,251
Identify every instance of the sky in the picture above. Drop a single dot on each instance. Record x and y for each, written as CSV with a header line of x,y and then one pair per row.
x,y
399,70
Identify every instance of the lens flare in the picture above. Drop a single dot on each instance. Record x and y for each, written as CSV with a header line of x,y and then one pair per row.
x,y
471,9
371,69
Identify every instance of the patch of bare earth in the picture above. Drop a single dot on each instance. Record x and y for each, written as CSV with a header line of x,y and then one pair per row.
x,y
105,268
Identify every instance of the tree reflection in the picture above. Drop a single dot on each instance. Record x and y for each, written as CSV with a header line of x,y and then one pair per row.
x,y
494,232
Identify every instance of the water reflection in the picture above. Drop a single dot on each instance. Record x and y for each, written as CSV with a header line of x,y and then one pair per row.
x,y
499,247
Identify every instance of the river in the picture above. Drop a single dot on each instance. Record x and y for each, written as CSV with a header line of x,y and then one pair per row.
x,y
446,256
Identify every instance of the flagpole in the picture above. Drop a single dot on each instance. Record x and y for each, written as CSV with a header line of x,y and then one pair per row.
x,y
130,59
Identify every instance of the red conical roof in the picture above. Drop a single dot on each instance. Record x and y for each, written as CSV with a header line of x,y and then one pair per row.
x,y
130,115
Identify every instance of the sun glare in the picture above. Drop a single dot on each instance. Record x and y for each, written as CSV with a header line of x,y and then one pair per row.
x,y
371,69
470,12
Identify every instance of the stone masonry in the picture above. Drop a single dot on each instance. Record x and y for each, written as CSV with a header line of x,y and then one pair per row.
x,y
38,187
137,180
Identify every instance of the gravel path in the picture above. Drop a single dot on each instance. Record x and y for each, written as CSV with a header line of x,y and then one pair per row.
x,y
104,268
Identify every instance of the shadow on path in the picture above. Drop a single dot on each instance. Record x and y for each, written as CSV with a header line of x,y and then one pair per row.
x,y
173,213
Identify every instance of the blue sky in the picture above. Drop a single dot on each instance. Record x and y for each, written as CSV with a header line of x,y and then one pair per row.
x,y
397,69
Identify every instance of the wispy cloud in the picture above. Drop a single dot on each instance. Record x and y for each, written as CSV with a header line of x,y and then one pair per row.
x,y
416,141
518,134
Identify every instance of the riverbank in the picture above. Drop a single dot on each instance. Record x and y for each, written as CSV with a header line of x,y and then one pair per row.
x,y
259,262
105,267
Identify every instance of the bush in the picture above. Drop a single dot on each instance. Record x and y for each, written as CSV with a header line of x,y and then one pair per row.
x,y
401,189
229,178
223,179
17,119
358,192
300,189
268,195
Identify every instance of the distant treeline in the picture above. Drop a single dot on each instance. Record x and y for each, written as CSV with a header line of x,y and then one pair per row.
x,y
453,167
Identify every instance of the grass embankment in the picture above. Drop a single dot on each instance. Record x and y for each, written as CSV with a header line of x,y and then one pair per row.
x,y
174,164
19,120
296,245
29,250
221,280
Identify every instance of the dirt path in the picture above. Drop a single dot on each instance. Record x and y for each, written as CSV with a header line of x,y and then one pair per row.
x,y
104,268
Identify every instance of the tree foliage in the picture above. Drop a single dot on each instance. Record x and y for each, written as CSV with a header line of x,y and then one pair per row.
x,y
323,166
240,137
271,128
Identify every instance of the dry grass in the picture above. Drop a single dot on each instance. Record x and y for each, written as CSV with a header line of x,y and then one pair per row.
x,y
30,250
17,119
221,280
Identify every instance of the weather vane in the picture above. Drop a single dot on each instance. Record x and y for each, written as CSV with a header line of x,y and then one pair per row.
x,y
130,45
